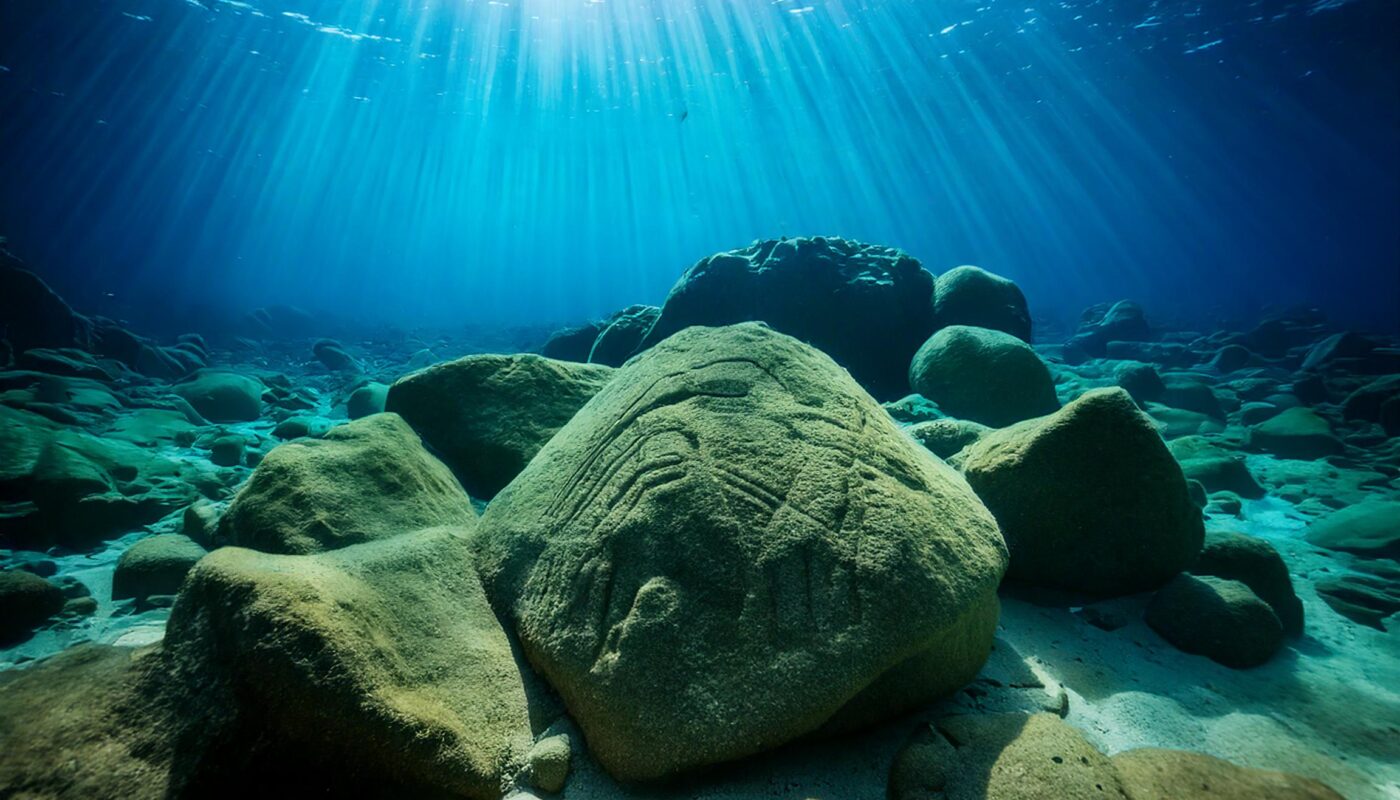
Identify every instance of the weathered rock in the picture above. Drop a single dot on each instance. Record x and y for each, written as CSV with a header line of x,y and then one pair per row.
x,y
1002,757
1104,323
1191,394
332,355
1368,597
1369,401
1231,357
1295,433
368,479
150,427
34,315
983,375
1370,528
571,344
548,767
368,399
973,296
155,565
382,658
1152,774
1140,380
621,335
1255,563
1215,467
913,408
227,451
868,307
731,546
1088,498
67,361
945,437
488,415
223,396
26,601
1177,422
299,427
1222,620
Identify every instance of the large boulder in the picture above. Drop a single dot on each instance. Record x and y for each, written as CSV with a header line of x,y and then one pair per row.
x,y
1153,774
732,545
572,344
983,375
620,335
487,415
155,565
1255,563
223,396
1089,498
382,660
1220,619
367,479
970,295
868,307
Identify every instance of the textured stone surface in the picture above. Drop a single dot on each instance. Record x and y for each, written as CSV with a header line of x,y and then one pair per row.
x,y
732,545
983,375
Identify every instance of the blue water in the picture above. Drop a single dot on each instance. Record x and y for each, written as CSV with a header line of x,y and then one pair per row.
x,y
539,160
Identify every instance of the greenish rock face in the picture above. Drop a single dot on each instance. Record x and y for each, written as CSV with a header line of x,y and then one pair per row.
x,y
1223,620
488,415
1088,498
971,295
945,437
368,479
1295,433
366,400
384,655
1255,563
223,396
983,375
732,545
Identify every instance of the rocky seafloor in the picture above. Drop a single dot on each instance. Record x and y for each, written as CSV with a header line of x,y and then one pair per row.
x,y
901,540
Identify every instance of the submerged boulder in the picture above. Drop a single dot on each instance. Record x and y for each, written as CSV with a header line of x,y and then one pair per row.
x,y
868,307
1218,469
1223,620
983,375
1088,498
620,335
1295,433
223,396
945,437
367,479
155,565
33,314
487,415
1154,774
733,545
382,659
1255,563
26,601
970,295
572,344
1123,321
1370,528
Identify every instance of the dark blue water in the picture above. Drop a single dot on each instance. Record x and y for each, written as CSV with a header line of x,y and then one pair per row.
x,y
463,160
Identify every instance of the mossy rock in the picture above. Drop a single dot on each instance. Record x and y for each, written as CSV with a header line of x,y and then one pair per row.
x,y
1295,433
1223,620
155,565
223,396
487,415
945,437
732,545
620,335
1255,563
1154,774
382,659
971,295
368,479
26,601
983,375
1088,498
366,400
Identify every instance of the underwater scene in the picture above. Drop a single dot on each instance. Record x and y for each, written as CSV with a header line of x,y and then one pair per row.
x,y
720,399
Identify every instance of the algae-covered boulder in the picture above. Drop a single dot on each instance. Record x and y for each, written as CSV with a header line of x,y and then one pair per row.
x,y
366,400
223,396
1223,620
1006,756
1153,774
383,657
1088,498
868,307
26,601
732,545
367,479
621,334
1255,563
1369,528
155,565
983,375
971,295
945,437
488,415
1295,433
1218,469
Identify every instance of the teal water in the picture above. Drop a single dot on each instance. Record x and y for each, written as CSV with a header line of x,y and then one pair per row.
x,y
555,159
